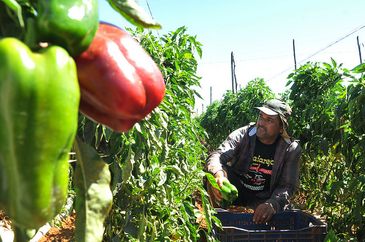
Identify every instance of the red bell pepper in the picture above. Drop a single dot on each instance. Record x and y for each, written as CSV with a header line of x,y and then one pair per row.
x,y
120,83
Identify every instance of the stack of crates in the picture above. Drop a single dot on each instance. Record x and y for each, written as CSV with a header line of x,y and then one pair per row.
x,y
287,226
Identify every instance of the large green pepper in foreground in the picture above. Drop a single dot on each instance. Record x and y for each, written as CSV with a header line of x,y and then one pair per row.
x,y
39,99
71,24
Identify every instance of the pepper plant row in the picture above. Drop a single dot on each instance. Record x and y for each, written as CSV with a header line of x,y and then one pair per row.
x,y
57,59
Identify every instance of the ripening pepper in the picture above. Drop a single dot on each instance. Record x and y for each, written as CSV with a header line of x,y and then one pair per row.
x,y
71,24
120,83
39,98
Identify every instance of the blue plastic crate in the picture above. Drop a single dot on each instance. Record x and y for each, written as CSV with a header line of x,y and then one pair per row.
x,y
291,225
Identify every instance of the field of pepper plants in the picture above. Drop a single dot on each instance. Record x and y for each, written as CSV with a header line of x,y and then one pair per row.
x,y
121,102
329,120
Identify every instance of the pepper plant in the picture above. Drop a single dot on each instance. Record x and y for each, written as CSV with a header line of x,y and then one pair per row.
x,y
157,167
328,104
40,94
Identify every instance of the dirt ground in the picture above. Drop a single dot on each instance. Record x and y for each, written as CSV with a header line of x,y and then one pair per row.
x,y
63,234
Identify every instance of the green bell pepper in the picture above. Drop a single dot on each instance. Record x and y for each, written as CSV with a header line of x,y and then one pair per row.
x,y
71,24
39,99
229,193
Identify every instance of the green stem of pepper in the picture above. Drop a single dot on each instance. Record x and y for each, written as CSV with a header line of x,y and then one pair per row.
x,y
13,5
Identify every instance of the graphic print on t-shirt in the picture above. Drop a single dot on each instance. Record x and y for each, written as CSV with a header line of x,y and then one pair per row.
x,y
259,173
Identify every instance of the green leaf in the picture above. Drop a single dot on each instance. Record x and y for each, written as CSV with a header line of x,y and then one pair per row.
x,y
212,181
13,5
132,12
206,211
93,195
359,69
128,165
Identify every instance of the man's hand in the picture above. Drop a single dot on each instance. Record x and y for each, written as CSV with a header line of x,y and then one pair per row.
x,y
214,193
263,213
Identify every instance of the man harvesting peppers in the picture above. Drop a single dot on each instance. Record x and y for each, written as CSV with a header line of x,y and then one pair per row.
x,y
261,161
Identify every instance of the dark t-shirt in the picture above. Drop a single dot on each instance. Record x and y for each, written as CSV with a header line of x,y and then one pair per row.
x,y
259,173
258,177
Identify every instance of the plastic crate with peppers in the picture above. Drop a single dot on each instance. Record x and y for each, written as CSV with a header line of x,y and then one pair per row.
x,y
57,59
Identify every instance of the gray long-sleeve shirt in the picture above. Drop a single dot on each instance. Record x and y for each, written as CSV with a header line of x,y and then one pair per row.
x,y
237,152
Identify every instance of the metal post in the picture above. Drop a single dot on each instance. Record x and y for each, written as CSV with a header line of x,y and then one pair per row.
x,y
295,58
211,94
358,46
232,72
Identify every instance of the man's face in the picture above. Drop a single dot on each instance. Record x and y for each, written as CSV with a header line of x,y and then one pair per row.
x,y
268,127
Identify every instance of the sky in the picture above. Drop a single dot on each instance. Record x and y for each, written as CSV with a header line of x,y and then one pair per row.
x,y
260,34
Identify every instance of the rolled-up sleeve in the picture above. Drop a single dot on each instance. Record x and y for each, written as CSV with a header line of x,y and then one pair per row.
x,y
225,151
